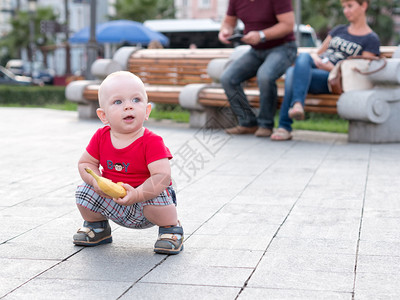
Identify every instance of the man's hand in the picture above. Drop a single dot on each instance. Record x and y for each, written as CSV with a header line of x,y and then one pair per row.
x,y
223,36
252,38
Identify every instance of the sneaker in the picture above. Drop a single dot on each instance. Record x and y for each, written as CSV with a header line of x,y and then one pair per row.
x,y
170,240
241,130
263,132
93,234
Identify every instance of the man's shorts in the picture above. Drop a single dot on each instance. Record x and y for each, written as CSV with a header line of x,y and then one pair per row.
x,y
128,216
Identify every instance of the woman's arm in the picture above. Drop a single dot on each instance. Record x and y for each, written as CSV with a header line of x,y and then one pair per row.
x,y
323,65
324,46
368,54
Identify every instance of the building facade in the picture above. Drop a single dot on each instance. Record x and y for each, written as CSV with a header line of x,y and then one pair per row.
x,y
201,9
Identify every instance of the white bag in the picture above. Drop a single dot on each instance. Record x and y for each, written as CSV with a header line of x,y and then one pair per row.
x,y
351,74
355,71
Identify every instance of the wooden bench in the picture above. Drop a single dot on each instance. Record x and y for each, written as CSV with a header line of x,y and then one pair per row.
x,y
166,72
321,103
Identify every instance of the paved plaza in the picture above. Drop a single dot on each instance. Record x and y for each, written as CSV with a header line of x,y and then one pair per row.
x,y
312,218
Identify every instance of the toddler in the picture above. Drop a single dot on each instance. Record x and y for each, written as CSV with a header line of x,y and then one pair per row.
x,y
124,151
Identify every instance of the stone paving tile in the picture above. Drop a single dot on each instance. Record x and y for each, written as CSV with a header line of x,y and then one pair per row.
x,y
288,277
67,289
381,226
16,272
156,291
252,242
106,263
218,258
380,264
314,261
379,248
377,286
175,273
286,217
312,246
291,294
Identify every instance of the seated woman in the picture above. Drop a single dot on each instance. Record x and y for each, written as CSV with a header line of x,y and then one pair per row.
x,y
310,72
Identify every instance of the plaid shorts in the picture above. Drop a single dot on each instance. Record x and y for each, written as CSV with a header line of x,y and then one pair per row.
x,y
128,216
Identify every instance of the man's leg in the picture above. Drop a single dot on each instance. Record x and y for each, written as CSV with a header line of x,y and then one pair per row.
x,y
243,68
277,60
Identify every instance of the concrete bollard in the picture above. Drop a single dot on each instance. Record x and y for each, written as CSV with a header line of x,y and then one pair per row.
x,y
388,75
374,115
363,105
122,55
74,90
101,68
216,67
189,95
396,53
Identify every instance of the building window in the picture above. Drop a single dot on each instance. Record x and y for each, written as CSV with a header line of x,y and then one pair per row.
x,y
205,4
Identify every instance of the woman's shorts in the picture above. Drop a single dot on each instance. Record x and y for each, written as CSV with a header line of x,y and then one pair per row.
x,y
128,216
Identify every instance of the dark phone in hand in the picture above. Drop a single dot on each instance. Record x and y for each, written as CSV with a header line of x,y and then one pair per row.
x,y
235,37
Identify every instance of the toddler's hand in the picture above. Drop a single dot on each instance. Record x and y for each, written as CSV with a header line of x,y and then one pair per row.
x,y
131,197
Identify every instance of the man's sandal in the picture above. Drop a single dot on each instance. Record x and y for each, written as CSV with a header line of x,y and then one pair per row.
x,y
93,234
170,240
281,134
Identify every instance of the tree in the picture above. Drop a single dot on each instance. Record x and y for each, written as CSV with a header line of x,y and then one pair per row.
x,y
142,10
324,15
19,38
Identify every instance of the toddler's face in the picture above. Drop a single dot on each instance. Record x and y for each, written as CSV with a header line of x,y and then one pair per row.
x,y
123,104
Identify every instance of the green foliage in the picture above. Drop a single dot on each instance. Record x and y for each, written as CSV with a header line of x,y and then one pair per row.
x,y
31,95
19,37
170,112
142,10
322,122
380,14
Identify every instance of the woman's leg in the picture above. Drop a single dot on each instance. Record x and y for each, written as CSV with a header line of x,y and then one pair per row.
x,y
284,120
302,78
319,82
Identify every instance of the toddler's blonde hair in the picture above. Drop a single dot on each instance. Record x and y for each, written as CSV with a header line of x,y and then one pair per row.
x,y
118,74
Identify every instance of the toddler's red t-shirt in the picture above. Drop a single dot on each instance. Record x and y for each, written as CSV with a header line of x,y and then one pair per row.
x,y
129,164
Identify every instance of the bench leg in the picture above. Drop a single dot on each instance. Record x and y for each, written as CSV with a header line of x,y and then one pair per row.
x,y
88,111
212,117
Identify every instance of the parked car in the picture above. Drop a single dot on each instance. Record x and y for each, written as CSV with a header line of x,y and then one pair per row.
x,y
7,77
40,75
16,66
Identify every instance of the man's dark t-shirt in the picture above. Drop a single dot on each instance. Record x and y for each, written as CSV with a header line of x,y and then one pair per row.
x,y
261,14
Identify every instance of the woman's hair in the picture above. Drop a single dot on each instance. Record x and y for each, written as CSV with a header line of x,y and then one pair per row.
x,y
358,1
